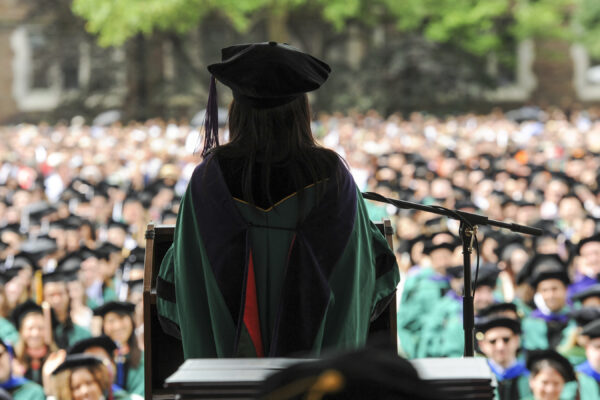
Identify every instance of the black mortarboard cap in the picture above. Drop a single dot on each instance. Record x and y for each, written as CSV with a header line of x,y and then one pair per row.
x,y
496,308
76,361
39,247
456,272
16,228
545,274
64,224
430,247
585,315
592,291
540,262
22,310
70,262
54,276
485,324
22,260
136,285
269,74
8,274
593,238
85,252
263,75
107,248
592,329
362,374
487,276
509,244
136,255
119,307
39,210
564,366
118,224
98,341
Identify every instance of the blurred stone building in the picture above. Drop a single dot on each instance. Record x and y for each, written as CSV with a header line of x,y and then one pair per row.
x,y
50,68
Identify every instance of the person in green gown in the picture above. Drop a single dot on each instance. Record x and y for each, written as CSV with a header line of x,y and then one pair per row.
x,y
443,333
422,294
551,376
273,252
499,339
35,342
19,388
56,293
118,324
84,377
104,348
545,327
589,371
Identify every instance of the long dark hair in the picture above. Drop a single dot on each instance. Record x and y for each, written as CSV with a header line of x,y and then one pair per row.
x,y
279,136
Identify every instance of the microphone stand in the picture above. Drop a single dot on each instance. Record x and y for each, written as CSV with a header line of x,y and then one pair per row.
x,y
469,223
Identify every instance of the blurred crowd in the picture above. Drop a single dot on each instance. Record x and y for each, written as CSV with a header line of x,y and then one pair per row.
x,y
76,200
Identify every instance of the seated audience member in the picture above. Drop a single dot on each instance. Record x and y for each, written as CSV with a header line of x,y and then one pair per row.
x,y
499,340
550,375
545,327
104,348
56,293
83,377
589,370
588,268
422,293
18,387
442,334
35,343
573,348
118,324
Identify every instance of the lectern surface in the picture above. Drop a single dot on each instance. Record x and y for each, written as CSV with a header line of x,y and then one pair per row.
x,y
230,378
446,368
227,371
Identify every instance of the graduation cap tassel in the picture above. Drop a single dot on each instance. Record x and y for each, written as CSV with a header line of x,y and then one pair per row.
x,y
211,119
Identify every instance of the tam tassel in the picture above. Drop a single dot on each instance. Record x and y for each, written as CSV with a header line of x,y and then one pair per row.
x,y
211,119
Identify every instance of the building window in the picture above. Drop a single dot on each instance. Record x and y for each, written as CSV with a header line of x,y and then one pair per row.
x,y
515,82
586,74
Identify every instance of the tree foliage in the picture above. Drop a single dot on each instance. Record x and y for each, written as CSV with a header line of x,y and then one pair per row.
x,y
477,26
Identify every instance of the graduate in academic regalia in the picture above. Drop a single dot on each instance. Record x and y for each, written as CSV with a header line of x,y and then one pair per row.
x,y
443,332
273,252
35,344
104,348
118,324
499,339
573,348
551,376
588,250
588,372
19,388
422,294
56,293
546,326
84,377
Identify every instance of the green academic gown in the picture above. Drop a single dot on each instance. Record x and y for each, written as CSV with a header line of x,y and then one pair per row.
x,y
135,379
28,391
589,388
420,297
73,335
442,333
8,332
536,333
298,277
